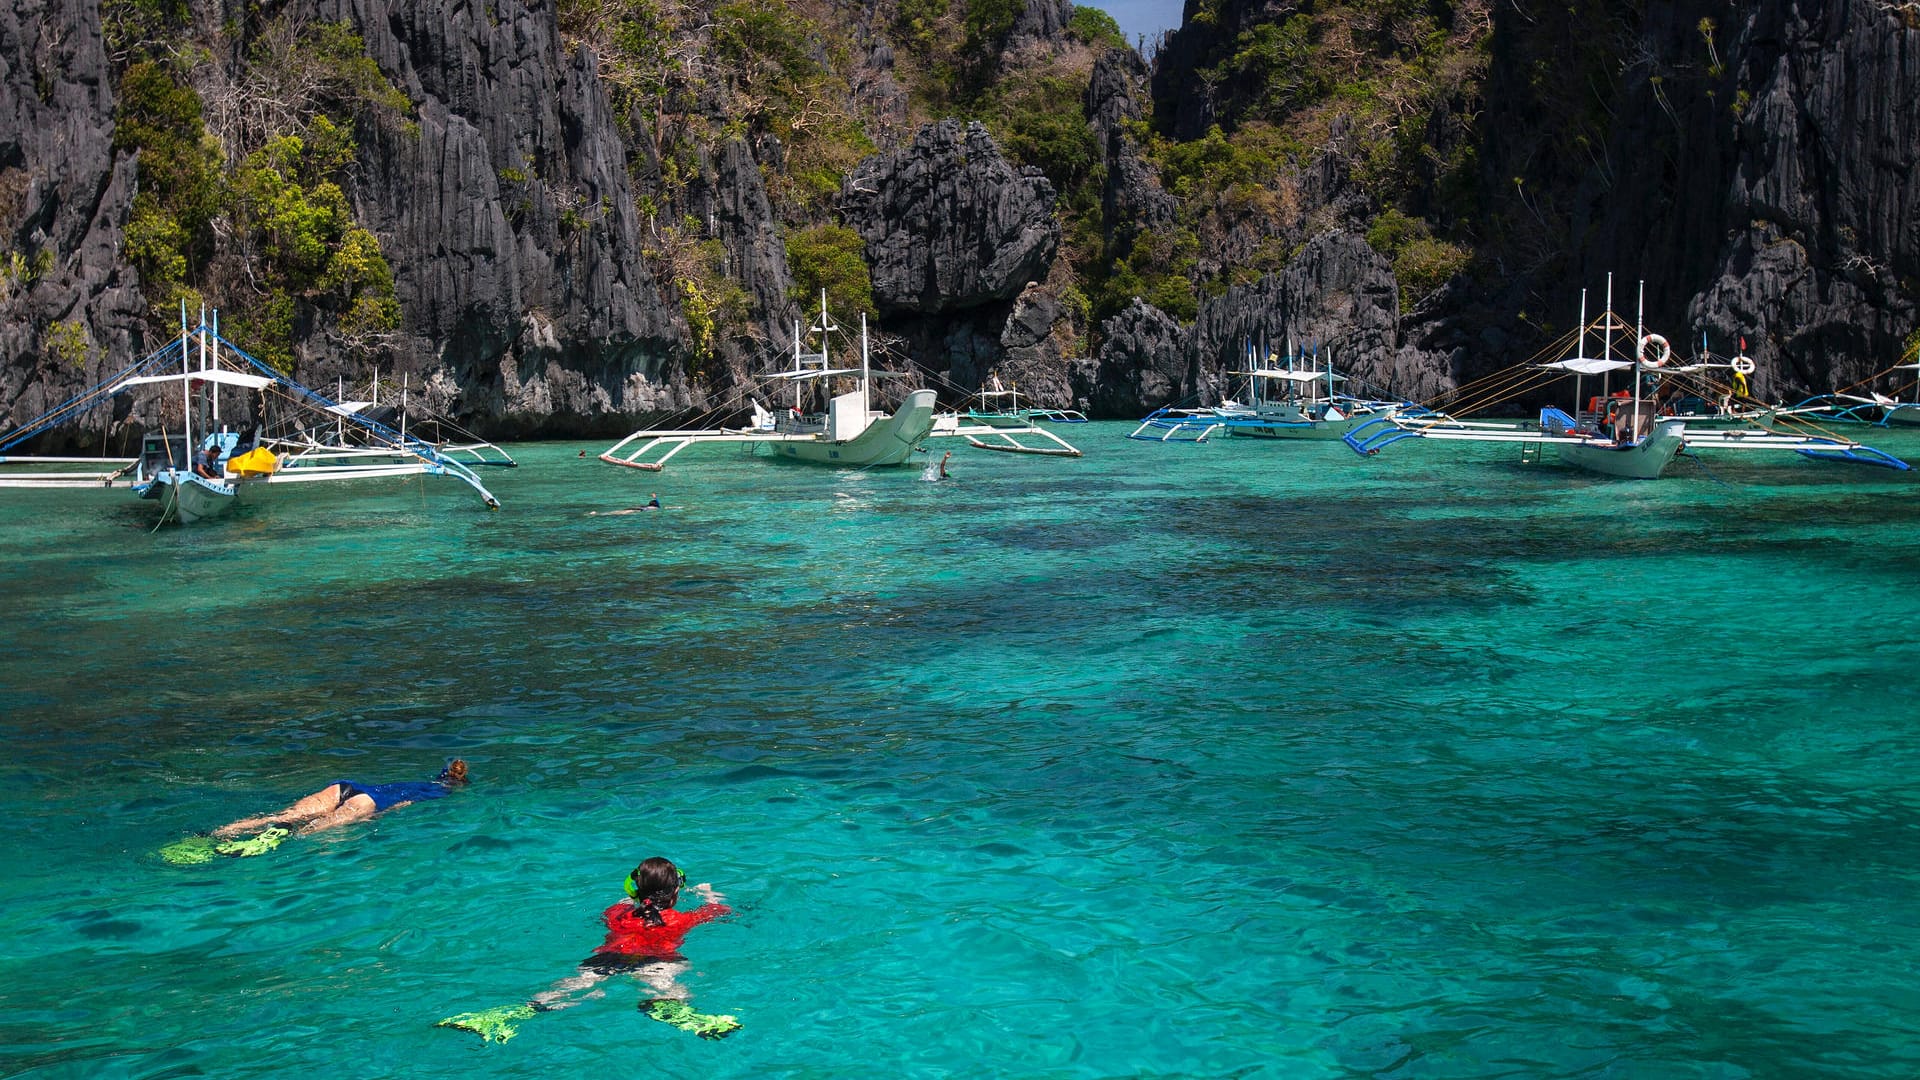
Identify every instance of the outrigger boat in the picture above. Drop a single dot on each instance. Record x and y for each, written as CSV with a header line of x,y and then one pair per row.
x,y
848,433
1172,423
292,435
997,421
413,418
1871,407
1300,402
1291,402
1633,433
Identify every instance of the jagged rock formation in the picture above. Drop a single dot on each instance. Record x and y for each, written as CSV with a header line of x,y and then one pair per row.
x,y
1144,362
510,221
1040,24
1035,363
958,241
1753,166
1818,259
1132,200
70,306
1337,297
950,225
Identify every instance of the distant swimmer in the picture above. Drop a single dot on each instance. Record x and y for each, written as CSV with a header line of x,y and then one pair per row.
x,y
345,801
943,464
653,503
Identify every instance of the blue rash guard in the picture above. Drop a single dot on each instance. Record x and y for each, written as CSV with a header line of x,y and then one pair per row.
x,y
387,796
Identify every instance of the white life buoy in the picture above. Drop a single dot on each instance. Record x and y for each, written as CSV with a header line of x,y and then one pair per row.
x,y
1742,365
1663,354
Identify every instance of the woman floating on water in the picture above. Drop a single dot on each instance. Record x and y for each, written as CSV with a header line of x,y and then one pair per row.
x,y
345,801
644,933
337,804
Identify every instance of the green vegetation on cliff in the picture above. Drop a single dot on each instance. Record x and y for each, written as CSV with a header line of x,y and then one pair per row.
x,y
249,215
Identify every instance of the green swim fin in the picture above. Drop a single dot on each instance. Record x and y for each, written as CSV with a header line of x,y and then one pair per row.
x,y
192,851
492,1025
260,844
681,1015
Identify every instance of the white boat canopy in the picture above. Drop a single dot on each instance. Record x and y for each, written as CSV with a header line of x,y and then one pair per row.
x,y
800,376
348,408
1291,376
1586,365
214,375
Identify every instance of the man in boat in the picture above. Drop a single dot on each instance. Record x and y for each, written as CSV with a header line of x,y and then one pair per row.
x,y
346,801
204,462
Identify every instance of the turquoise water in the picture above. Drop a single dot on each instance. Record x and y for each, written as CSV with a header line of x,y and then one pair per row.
x,y
1221,760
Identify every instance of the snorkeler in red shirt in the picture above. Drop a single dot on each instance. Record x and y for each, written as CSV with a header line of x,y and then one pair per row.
x,y
644,933
646,928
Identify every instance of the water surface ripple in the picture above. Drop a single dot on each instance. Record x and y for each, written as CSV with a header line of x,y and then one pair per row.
x,y
1218,760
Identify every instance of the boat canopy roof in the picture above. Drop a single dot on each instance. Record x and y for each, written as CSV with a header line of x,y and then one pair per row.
x,y
1587,365
820,373
348,408
214,375
1292,376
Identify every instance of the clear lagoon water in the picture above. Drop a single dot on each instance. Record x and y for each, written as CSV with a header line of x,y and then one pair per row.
x,y
1222,760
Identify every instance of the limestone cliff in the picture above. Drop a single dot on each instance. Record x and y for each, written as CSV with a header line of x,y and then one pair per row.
x,y
589,222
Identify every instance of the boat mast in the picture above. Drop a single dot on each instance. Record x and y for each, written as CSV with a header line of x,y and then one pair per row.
x,y
203,366
796,367
1606,340
186,388
863,363
1639,347
1580,351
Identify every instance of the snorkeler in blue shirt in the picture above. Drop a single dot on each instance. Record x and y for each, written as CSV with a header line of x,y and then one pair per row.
x,y
345,801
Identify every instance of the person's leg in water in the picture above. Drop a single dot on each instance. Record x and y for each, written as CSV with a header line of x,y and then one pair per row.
x,y
324,801
658,975
565,994
357,807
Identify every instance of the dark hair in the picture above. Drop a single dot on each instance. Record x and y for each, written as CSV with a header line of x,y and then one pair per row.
x,y
654,885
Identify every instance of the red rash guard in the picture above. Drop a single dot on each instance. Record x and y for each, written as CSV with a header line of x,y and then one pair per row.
x,y
630,935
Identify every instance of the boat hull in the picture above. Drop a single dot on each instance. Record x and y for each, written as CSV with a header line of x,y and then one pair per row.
x,y
187,498
891,441
1644,460
1263,428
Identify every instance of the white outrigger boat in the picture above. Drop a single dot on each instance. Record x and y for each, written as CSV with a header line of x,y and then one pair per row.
x,y
849,433
412,418
292,435
1288,402
1627,433
1870,407
999,422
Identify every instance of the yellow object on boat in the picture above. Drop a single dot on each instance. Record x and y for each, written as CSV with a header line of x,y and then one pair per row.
x,y
258,461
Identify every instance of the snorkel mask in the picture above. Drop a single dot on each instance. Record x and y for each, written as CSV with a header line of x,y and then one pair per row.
x,y
633,883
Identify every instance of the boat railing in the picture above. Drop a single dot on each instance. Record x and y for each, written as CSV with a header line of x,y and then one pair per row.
x,y
426,452
1376,435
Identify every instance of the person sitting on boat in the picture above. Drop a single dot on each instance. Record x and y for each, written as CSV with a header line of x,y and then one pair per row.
x,y
346,801
204,462
653,502
644,933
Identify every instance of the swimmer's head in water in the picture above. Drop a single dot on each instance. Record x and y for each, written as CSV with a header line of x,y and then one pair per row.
x,y
654,885
454,773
